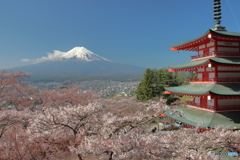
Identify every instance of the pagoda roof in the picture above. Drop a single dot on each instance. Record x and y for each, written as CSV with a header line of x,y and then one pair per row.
x,y
225,89
197,64
193,117
210,34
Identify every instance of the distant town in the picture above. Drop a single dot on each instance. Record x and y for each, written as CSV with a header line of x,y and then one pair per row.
x,y
104,88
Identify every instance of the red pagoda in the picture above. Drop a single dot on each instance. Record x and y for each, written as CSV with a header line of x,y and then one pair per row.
x,y
216,89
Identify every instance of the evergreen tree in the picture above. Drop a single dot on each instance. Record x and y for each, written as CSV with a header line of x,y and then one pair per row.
x,y
164,79
154,81
180,78
145,89
192,74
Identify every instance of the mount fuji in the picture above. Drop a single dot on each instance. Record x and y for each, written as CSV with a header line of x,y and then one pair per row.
x,y
78,63
77,53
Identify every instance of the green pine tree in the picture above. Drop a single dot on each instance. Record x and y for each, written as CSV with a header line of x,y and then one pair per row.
x,y
144,91
154,81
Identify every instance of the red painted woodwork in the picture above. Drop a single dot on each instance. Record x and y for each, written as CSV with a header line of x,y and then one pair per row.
x,y
230,107
202,105
167,92
171,70
207,47
215,79
216,53
213,108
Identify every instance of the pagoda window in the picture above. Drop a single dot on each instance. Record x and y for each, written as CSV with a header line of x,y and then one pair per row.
x,y
202,46
200,53
197,100
210,44
222,43
210,69
225,102
211,51
228,69
211,75
227,49
201,69
199,75
210,102
226,75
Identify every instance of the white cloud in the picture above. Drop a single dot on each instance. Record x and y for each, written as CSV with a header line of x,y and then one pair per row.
x,y
25,60
56,55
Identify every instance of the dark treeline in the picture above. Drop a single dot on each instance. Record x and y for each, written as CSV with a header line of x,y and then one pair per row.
x,y
154,80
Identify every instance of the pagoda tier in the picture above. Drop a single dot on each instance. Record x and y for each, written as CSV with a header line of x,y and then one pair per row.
x,y
191,117
212,70
210,97
210,63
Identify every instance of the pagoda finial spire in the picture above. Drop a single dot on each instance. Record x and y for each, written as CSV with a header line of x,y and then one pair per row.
x,y
217,16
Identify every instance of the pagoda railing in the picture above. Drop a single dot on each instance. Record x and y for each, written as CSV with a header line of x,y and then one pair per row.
x,y
214,108
202,106
216,53
234,79
229,107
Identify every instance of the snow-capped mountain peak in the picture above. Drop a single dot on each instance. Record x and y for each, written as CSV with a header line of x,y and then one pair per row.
x,y
77,53
83,54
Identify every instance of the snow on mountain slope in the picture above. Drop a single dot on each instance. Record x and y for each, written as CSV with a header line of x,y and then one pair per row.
x,y
82,54
77,53
79,62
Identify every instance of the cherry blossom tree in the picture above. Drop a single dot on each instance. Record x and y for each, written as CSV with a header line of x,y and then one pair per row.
x,y
14,139
16,142
74,123
66,96
71,124
91,131
13,89
182,144
125,137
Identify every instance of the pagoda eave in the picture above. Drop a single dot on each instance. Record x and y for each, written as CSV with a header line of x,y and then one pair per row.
x,y
223,89
192,46
211,62
187,115
209,36
213,95
220,36
184,94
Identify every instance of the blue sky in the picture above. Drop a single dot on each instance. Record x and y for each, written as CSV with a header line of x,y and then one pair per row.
x,y
137,32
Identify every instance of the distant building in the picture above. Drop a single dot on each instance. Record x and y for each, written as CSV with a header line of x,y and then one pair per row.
x,y
216,90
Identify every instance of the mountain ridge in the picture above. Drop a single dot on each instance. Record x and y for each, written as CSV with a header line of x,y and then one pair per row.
x,y
79,62
81,53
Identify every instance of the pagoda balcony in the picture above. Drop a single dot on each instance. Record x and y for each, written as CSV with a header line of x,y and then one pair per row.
x,y
229,107
215,79
214,108
209,107
216,53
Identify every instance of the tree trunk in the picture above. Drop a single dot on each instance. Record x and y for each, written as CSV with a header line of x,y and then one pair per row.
x,y
111,154
79,157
